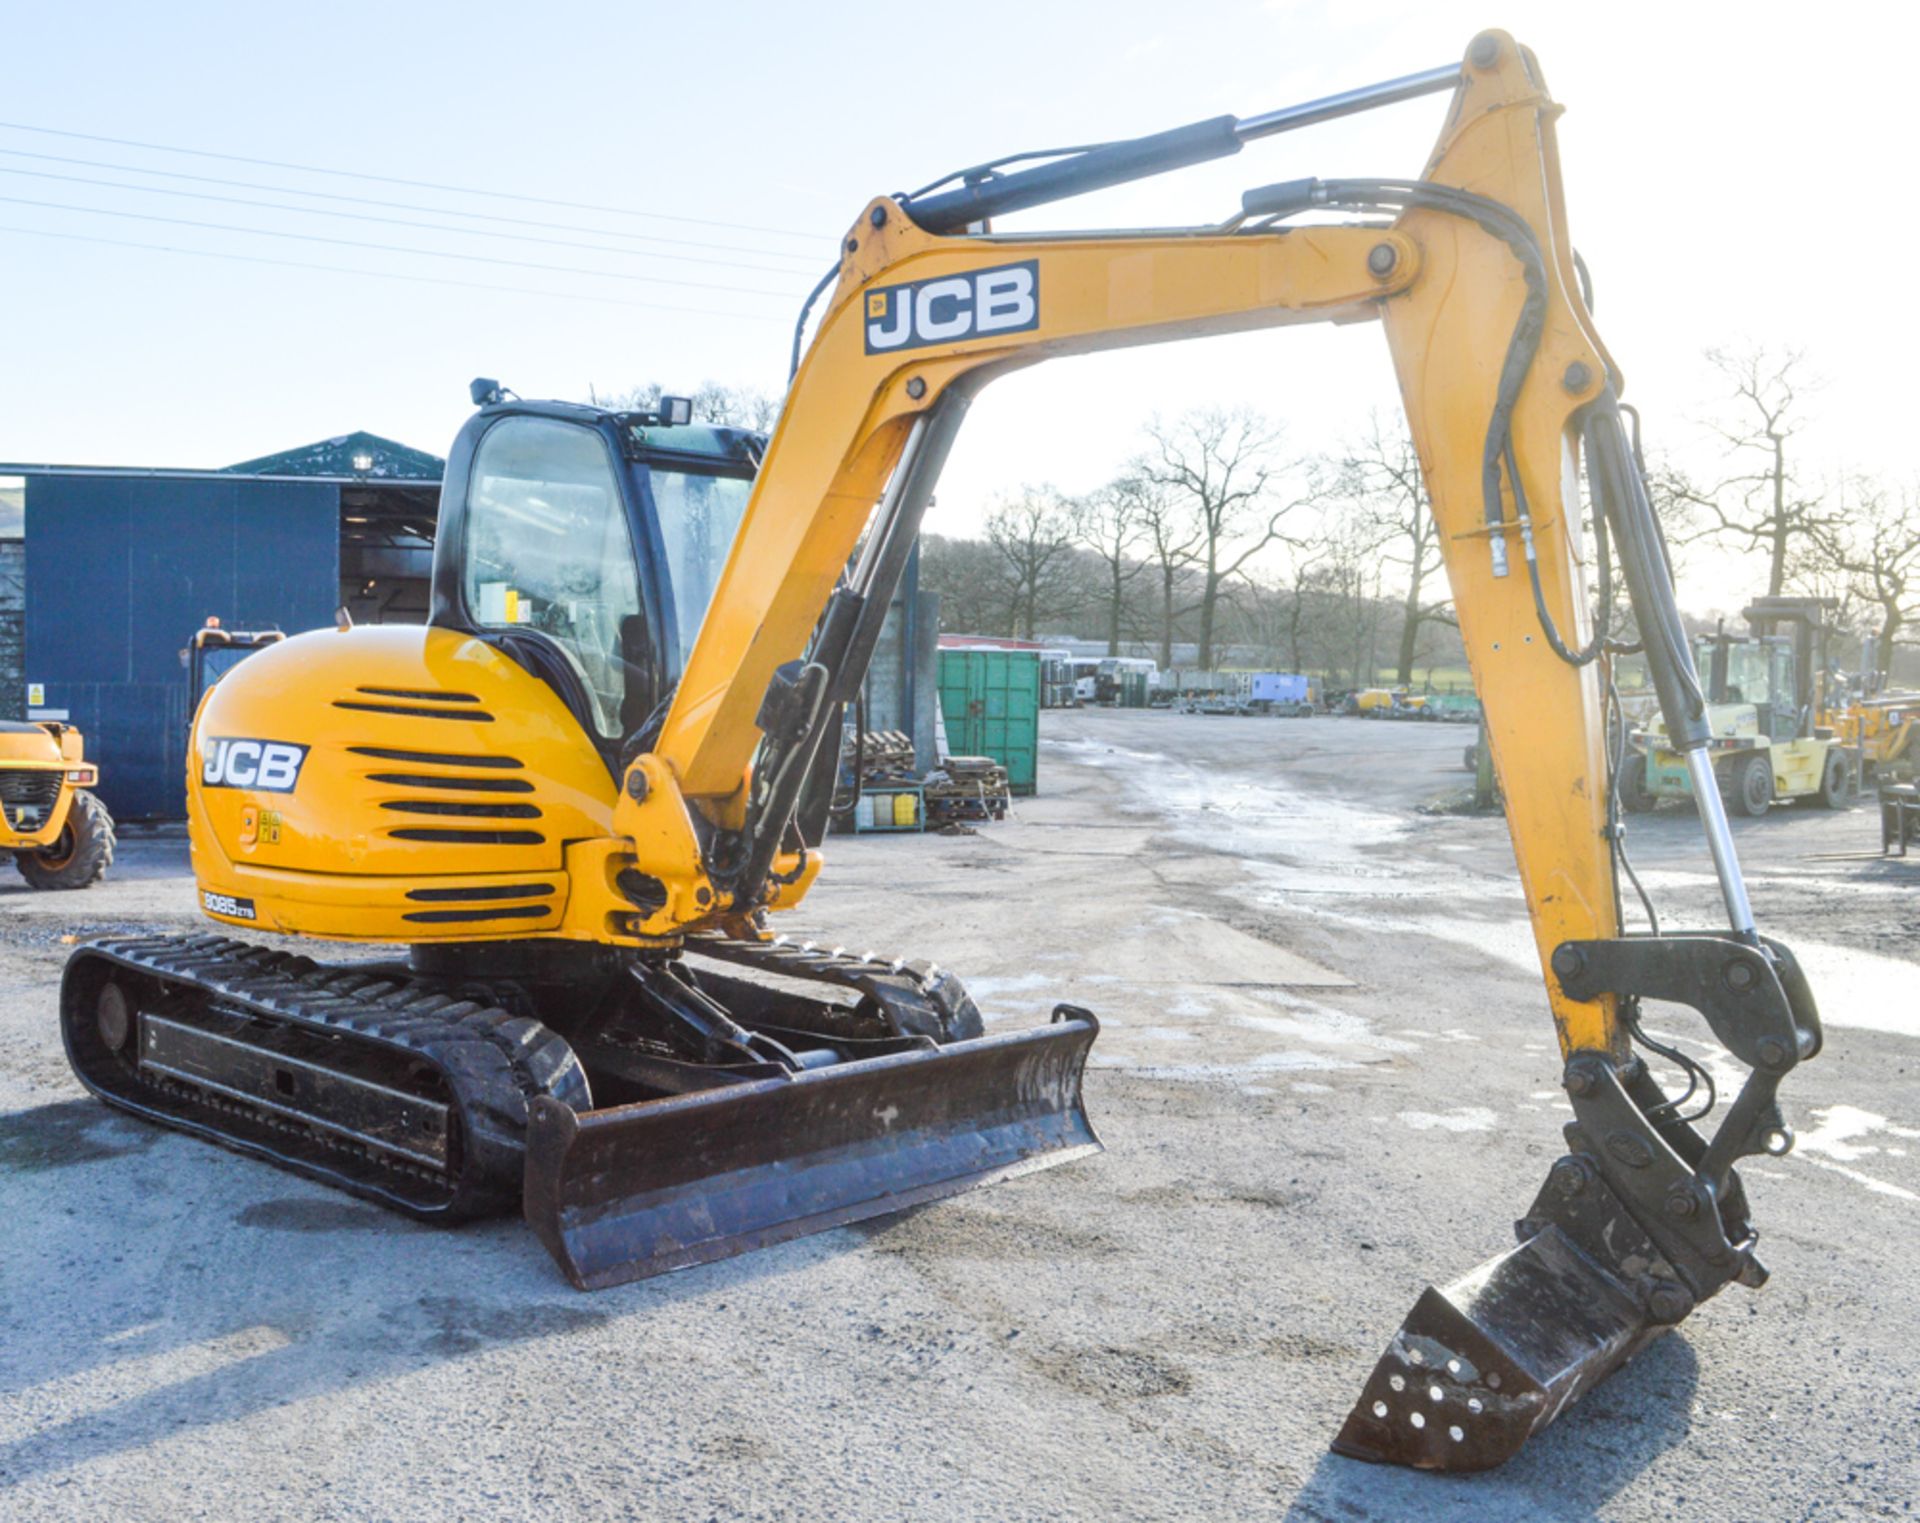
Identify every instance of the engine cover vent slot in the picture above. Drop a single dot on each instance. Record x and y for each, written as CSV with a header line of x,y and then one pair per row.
x,y
453,784
426,695
469,837
483,891
410,711
436,758
498,912
488,811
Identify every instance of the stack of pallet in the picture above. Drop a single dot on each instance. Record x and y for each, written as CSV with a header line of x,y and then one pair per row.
x,y
967,788
886,756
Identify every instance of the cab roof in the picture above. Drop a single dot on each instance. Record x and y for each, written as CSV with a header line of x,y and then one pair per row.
x,y
641,431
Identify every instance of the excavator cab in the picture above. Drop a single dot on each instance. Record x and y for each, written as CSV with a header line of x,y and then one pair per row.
x,y
585,544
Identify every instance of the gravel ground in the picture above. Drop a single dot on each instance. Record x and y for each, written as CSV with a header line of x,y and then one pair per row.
x,y
1326,1076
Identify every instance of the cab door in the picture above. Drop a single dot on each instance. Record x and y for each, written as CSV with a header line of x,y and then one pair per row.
x,y
543,554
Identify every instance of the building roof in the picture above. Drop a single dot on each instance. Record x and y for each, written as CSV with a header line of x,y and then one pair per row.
x,y
336,458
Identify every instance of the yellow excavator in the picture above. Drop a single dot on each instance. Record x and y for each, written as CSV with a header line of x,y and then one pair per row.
x,y
581,793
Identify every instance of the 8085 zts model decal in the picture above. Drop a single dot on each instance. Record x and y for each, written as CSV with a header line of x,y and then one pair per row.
x,y
265,766
228,905
1004,299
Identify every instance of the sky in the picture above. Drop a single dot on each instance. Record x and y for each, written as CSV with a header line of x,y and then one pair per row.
x,y
1735,173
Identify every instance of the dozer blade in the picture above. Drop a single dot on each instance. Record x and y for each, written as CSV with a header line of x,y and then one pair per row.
x,y
1481,1365
636,1190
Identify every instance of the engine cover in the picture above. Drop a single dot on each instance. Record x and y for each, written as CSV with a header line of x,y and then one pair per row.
x,y
392,783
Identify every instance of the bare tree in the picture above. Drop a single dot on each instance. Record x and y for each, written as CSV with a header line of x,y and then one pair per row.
x,y
1111,522
1172,537
1265,615
966,575
1222,461
1874,543
1033,535
1337,589
1760,505
1380,473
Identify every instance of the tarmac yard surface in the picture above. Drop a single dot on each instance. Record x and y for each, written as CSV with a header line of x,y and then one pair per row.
x,y
1326,1076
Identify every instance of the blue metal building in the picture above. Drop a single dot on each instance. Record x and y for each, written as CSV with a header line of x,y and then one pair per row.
x,y
122,565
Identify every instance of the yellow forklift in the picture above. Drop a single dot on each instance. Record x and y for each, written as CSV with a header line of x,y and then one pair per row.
x,y
1764,707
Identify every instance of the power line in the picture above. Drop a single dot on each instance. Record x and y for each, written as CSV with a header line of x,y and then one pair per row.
x,y
396,248
341,269
405,206
354,174
432,227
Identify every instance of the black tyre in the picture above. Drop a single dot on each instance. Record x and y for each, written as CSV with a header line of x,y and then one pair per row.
x,y
1750,785
1836,784
82,853
1635,796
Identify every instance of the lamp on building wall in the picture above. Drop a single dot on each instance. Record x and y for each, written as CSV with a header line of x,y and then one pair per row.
x,y
362,463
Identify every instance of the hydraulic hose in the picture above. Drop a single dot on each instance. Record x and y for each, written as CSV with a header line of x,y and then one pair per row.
x,y
1621,494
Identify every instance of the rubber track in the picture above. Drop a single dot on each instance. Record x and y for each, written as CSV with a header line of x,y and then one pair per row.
x,y
922,999
493,1062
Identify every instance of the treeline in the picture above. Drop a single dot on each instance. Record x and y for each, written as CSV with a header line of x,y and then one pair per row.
x,y
1331,564
1218,537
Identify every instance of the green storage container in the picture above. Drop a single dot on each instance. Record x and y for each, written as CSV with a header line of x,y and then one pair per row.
x,y
991,702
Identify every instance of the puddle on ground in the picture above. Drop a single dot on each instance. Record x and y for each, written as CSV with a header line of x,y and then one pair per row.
x,y
1238,1027
1863,991
1309,853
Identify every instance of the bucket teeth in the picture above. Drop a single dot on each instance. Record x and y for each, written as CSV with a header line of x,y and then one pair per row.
x,y
1476,1368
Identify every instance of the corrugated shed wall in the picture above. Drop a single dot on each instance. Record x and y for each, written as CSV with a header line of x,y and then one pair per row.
x,y
13,628
126,568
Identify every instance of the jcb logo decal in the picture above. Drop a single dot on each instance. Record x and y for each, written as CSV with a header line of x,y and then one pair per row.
x,y
264,766
1005,299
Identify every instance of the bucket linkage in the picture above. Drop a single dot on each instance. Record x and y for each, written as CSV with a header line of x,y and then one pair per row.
x,y
1640,1222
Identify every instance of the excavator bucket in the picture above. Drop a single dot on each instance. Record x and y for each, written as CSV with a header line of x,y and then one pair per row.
x,y
1478,1367
635,1190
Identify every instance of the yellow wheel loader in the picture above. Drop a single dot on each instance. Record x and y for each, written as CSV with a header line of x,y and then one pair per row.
x,y
1769,742
580,794
1877,726
59,832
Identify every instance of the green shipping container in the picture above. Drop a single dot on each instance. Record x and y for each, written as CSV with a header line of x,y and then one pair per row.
x,y
991,702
